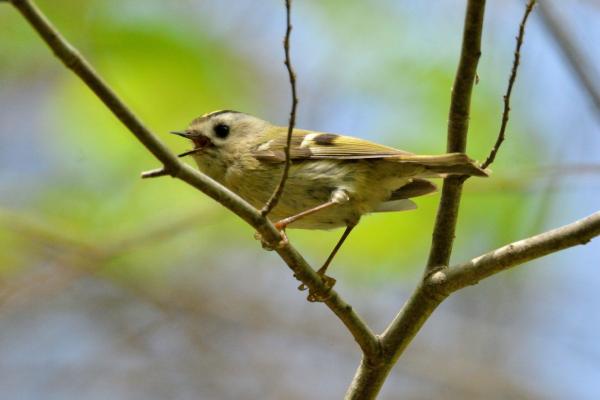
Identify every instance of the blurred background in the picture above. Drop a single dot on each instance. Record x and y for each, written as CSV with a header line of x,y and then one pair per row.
x,y
114,287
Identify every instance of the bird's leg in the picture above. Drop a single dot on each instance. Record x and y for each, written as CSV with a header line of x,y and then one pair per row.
x,y
338,196
349,228
329,281
283,223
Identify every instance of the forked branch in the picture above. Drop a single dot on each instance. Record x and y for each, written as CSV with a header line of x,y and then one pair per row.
x,y
458,126
379,354
437,286
369,376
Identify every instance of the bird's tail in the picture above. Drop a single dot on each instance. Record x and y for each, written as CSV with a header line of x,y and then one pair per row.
x,y
451,163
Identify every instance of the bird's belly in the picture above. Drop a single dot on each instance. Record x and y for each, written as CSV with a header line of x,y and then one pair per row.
x,y
311,184
300,195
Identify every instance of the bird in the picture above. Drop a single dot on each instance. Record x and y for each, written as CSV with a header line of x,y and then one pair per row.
x,y
333,179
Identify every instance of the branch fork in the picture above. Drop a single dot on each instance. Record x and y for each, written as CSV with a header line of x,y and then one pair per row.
x,y
380,352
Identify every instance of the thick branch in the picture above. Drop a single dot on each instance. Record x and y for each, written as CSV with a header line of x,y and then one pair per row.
x,y
458,126
369,378
511,81
274,199
441,283
74,61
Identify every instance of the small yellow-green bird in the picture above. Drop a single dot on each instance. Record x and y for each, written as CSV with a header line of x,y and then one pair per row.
x,y
333,179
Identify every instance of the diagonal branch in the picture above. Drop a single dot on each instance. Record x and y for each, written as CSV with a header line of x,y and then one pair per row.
x,y
577,233
379,354
172,166
274,199
511,81
438,285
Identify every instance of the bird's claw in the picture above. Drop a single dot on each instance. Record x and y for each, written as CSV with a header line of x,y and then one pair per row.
x,y
321,295
268,246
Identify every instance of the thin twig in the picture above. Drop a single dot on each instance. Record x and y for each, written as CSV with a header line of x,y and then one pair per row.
x,y
575,57
272,202
302,270
511,81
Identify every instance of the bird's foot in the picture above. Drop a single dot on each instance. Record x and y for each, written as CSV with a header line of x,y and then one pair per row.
x,y
268,246
321,295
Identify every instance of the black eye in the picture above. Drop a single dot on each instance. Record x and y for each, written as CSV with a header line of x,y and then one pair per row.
x,y
221,131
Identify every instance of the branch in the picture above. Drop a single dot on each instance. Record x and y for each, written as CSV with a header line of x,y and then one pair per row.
x,y
437,286
441,283
272,202
172,166
577,233
370,377
511,81
379,354
579,64
458,126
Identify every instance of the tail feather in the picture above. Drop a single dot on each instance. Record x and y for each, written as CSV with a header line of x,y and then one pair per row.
x,y
451,163
417,187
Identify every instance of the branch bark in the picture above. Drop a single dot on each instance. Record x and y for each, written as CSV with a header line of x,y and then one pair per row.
x,y
439,281
362,334
458,126
577,233
369,377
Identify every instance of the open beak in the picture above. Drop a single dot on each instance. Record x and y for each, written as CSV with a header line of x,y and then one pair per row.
x,y
200,141
184,134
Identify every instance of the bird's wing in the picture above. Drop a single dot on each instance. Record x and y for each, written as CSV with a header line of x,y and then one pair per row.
x,y
309,145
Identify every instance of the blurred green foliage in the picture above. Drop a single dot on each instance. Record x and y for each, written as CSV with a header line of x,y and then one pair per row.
x,y
170,67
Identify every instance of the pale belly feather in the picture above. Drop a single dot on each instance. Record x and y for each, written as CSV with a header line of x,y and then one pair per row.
x,y
311,183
